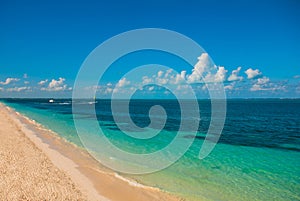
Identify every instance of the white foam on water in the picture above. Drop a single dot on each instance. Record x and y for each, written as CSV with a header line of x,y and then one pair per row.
x,y
134,183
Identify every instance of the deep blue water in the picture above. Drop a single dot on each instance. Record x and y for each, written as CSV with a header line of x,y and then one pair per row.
x,y
257,156
273,123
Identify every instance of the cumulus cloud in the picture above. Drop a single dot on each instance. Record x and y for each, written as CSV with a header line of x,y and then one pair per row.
x,y
160,73
102,89
263,80
108,90
162,80
199,69
17,89
9,80
260,84
42,82
235,75
256,87
56,85
182,87
203,71
167,77
26,82
180,78
123,82
25,76
230,86
252,73
146,80
264,84
220,75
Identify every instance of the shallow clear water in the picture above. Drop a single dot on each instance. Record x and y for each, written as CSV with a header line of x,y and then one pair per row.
x,y
257,157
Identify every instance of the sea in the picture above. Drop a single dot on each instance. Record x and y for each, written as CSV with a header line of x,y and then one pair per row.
x,y
256,158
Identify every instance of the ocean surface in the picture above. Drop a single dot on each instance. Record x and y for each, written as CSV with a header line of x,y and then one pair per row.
x,y
256,158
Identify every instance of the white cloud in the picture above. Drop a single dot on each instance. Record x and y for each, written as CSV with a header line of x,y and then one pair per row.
x,y
94,88
26,82
168,73
263,80
252,73
230,86
234,75
182,87
25,76
146,80
256,87
9,80
56,85
42,82
205,71
160,73
123,82
202,71
220,75
264,84
162,81
108,90
102,89
260,84
17,89
1,89
199,69
180,78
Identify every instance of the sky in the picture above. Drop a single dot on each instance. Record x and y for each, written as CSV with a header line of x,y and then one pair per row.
x,y
255,45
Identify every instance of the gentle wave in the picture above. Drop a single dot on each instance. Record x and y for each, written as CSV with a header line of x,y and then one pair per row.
x,y
134,183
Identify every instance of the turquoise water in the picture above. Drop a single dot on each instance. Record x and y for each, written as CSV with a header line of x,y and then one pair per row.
x,y
257,157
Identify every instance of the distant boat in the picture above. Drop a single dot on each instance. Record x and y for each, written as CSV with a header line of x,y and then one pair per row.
x,y
93,102
51,101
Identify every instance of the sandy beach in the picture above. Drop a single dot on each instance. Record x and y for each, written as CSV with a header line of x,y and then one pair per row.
x,y
36,164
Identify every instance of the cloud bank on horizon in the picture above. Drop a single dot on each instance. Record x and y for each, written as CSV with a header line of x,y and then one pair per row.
x,y
236,83
204,72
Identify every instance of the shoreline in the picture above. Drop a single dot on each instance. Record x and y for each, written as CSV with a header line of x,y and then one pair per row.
x,y
94,181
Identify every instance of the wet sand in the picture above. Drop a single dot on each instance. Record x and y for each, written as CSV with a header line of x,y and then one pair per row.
x,y
36,164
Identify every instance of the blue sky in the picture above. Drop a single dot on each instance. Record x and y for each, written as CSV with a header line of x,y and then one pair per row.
x,y
49,40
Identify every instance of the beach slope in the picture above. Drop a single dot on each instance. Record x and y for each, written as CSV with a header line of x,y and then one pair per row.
x,y
26,173
35,164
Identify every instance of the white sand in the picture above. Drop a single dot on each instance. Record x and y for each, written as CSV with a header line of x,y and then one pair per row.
x,y
37,165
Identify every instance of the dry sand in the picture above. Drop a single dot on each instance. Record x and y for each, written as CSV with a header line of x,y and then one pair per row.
x,y
36,164
25,172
